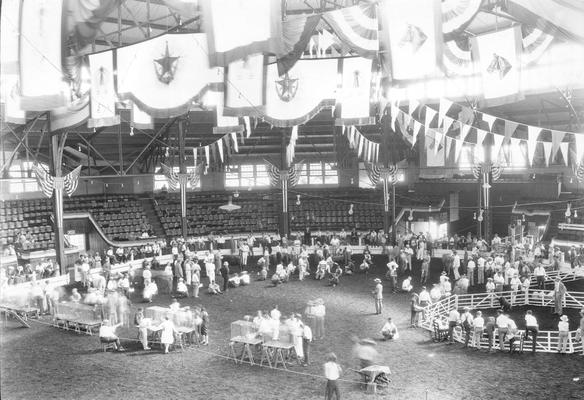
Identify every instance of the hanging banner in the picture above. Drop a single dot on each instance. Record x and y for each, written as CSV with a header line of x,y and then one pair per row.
x,y
412,35
430,114
443,109
166,74
357,27
564,149
207,159
447,124
434,158
103,93
42,86
497,142
296,32
295,97
481,134
498,59
458,149
68,117
354,100
579,143
510,128
236,29
245,83
490,120
140,119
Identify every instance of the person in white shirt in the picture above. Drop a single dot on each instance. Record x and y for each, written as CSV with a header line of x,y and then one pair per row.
x,y
181,288
564,333
502,322
511,334
275,314
332,372
389,330
490,288
453,320
515,284
378,296
244,254
407,284
466,320
107,334
456,266
435,293
499,281
531,326
424,297
540,275
147,275
174,306
319,312
479,325
306,339
480,271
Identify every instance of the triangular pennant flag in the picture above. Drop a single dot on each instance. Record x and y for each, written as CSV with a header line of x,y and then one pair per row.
x,y
557,138
532,135
510,128
430,114
579,141
195,156
458,149
464,131
247,126
497,142
447,123
448,141
394,113
564,148
445,105
490,120
437,140
516,147
207,159
416,131
547,152
220,148
407,121
481,134
412,106
234,140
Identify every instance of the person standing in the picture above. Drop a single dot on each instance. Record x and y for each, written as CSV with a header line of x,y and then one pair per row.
x,y
306,339
425,268
196,279
564,333
167,335
470,267
378,295
559,296
332,372
479,326
466,322
580,330
532,326
224,270
453,319
481,270
244,249
540,275
490,330
204,327
502,327
319,312
177,272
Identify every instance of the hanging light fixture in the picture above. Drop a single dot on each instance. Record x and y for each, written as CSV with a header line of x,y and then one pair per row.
x,y
480,217
575,213
236,194
297,199
568,212
351,210
131,130
411,216
523,217
474,216
229,206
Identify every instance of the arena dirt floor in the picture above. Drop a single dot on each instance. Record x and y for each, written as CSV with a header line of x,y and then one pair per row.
x,y
46,363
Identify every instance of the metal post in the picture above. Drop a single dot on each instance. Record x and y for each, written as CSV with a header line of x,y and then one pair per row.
x,y
386,215
182,177
393,224
56,171
285,166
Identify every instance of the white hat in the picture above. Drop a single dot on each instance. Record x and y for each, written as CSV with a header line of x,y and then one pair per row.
x,y
377,280
564,318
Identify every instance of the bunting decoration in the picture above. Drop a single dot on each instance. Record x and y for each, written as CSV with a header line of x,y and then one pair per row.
x,y
413,37
353,103
48,183
164,75
297,32
42,84
357,27
579,172
103,94
292,175
237,28
295,97
456,14
9,61
245,82
498,58
175,178
377,173
366,149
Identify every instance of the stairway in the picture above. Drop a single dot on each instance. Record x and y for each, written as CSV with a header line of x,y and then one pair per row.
x,y
148,208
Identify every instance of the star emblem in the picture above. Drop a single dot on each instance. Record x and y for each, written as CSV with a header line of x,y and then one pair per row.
x,y
413,36
499,65
165,67
286,88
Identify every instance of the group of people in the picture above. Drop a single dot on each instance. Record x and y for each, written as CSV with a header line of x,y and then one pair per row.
x,y
13,275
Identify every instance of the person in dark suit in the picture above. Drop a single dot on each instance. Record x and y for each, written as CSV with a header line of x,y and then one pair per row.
x,y
224,270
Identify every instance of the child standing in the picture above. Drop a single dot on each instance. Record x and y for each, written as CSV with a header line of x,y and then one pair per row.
x,y
332,372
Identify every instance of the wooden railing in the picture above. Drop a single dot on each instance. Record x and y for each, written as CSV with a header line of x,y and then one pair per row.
x,y
570,227
547,341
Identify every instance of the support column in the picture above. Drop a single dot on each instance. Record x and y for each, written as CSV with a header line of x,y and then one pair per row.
x,y
284,168
386,216
393,222
57,199
487,179
182,177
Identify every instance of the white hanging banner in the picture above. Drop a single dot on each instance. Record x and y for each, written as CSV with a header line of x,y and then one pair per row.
x,y
564,148
516,148
437,141
447,123
448,141
458,149
430,114
141,119
490,120
532,135
464,131
220,148
207,159
394,113
510,128
416,131
195,154
412,106
247,127
557,138
547,152
234,140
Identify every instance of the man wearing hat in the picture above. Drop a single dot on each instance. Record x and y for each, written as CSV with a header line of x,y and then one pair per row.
x,y
559,296
564,333
378,295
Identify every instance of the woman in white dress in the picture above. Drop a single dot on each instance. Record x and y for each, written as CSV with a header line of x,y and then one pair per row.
x,y
167,335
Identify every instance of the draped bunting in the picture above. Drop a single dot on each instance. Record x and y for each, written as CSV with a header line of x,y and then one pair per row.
x,y
497,56
377,173
297,96
41,78
47,182
291,147
224,124
353,102
579,148
245,82
413,37
366,149
357,27
456,14
174,178
73,115
296,33
103,93
237,28
532,135
579,172
165,74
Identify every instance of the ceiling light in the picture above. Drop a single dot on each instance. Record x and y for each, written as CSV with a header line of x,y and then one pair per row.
x,y
230,206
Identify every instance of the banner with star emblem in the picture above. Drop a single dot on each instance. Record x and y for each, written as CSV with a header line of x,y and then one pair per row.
x,y
42,86
412,37
497,59
295,97
245,82
354,100
164,75
237,28
103,93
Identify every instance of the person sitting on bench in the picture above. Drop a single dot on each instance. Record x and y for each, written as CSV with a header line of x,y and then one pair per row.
x,y
107,334
389,330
